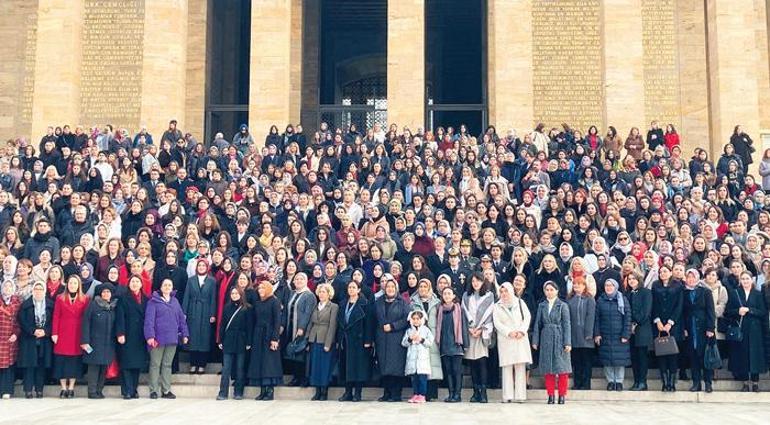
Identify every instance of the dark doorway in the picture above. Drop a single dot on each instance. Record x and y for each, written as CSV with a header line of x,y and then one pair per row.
x,y
455,64
228,62
353,62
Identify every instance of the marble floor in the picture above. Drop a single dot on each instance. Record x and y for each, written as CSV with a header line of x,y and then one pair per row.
x,y
193,411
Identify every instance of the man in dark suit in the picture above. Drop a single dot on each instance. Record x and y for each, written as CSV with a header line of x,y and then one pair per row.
x,y
459,275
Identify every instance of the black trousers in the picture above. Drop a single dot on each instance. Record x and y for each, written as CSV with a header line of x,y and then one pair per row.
x,y
452,367
7,377
96,376
582,362
199,358
753,377
668,363
34,378
640,363
479,372
129,381
392,386
695,357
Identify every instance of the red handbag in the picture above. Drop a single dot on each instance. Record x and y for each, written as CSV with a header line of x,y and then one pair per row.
x,y
113,370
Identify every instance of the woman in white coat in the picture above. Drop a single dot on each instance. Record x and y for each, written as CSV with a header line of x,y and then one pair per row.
x,y
511,318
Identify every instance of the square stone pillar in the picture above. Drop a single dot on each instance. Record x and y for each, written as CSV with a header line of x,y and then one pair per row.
x,y
734,59
623,65
271,55
195,102
406,63
510,66
164,67
56,98
311,75
693,77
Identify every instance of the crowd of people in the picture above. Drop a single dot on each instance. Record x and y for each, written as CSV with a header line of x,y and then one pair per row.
x,y
356,258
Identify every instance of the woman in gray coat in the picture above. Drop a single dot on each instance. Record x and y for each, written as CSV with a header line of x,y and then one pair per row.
x,y
582,308
552,335
321,334
424,299
295,321
200,308
98,338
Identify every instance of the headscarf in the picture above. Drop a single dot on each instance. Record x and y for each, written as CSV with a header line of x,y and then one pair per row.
x,y
12,273
616,295
39,305
7,297
509,287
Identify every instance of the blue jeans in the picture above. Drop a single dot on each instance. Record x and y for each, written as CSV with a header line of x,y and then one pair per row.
x,y
420,383
239,362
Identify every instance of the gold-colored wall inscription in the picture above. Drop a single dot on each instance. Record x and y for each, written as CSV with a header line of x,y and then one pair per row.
x,y
111,83
661,65
568,62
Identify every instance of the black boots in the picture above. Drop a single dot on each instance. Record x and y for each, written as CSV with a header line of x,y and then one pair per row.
x,y
550,399
266,393
357,393
639,386
476,397
483,394
317,395
324,394
561,399
347,395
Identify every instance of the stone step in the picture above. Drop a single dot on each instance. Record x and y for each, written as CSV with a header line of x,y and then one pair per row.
x,y
370,394
536,381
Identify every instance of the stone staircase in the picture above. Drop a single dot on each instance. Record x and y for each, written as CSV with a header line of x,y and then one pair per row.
x,y
206,386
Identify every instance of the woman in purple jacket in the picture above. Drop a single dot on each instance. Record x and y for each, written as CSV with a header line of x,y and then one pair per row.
x,y
164,324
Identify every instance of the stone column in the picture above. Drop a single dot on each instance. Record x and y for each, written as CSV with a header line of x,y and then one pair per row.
x,y
406,63
311,78
164,67
296,70
623,64
733,58
693,76
56,98
509,65
270,81
195,101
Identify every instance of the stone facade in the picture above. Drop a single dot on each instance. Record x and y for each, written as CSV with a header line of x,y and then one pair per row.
x,y
702,66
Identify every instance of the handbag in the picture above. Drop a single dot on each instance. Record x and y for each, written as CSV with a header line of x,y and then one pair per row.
x,y
665,345
711,358
295,350
734,330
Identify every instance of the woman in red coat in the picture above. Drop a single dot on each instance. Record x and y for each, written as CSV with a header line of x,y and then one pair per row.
x,y
9,336
65,334
671,138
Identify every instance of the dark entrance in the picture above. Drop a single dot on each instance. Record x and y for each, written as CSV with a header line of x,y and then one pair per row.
x,y
456,64
353,62
229,52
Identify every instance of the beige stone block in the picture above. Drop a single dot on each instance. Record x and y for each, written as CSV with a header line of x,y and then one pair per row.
x,y
693,76
623,64
56,96
510,65
297,31
18,28
732,58
270,81
406,63
195,102
164,68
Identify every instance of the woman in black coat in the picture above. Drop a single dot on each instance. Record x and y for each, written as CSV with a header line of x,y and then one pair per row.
x,y
265,361
35,346
640,301
129,327
612,332
666,316
548,271
170,269
354,336
746,308
236,330
391,311
698,320
98,338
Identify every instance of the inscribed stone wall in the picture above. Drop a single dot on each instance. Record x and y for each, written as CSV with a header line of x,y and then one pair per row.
x,y
661,66
111,83
568,62
18,30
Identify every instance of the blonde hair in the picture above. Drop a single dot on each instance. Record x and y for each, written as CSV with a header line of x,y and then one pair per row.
x,y
327,287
